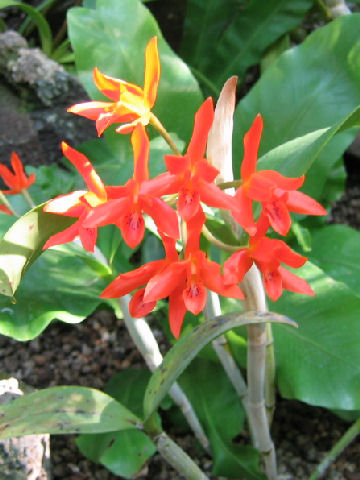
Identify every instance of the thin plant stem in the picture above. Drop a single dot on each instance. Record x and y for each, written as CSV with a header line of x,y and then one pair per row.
x,y
256,359
337,449
147,345
218,243
25,193
269,374
155,122
5,201
178,459
213,309
232,184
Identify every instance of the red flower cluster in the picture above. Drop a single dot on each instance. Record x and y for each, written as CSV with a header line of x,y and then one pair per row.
x,y
183,279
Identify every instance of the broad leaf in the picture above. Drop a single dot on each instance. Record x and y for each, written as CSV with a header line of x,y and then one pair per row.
x,y
335,249
23,243
319,363
222,39
222,417
61,410
309,88
123,452
113,37
63,284
181,354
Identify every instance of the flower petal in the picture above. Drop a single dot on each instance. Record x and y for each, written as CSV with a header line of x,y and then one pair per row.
x,y
107,85
203,121
107,213
163,215
278,215
86,170
88,238
129,281
137,307
132,227
163,184
152,71
166,281
259,188
90,110
176,164
65,204
272,283
177,312
298,202
141,146
67,235
194,297
251,146
244,212
188,203
285,183
294,283
215,197
236,266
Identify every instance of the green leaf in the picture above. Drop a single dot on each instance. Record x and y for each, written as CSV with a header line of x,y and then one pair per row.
x,y
222,417
295,157
181,354
319,363
61,285
61,410
124,452
222,39
308,91
113,37
335,249
23,243
39,20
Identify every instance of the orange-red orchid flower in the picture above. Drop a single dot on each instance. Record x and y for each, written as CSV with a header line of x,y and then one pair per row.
x,y
186,281
268,254
78,203
130,103
18,180
129,281
195,176
276,193
136,196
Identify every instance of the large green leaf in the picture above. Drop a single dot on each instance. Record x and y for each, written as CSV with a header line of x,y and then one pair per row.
x,y
123,452
61,410
222,39
222,417
309,88
63,284
335,249
23,243
113,37
181,354
319,363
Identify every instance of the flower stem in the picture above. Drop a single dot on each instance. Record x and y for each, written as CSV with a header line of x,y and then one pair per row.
x,y
147,345
213,309
344,441
178,459
155,122
218,243
226,185
25,193
5,201
269,374
256,360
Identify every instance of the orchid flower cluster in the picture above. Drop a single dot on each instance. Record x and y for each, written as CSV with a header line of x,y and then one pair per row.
x,y
182,277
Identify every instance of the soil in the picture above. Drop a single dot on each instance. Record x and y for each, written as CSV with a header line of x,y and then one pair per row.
x,y
91,352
